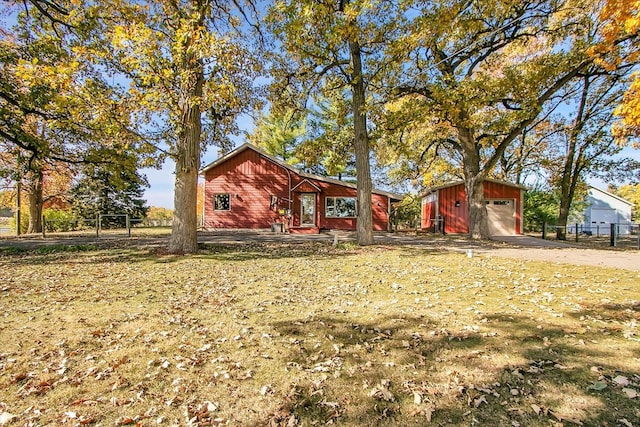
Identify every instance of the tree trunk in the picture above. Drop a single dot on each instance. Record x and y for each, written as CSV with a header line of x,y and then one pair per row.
x,y
184,238
364,221
478,224
35,201
474,185
569,178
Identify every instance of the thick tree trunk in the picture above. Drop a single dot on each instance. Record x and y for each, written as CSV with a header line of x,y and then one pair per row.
x,y
35,201
184,238
478,224
474,185
364,222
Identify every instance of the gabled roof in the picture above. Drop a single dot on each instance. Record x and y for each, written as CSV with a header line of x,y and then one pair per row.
x,y
613,196
454,183
247,146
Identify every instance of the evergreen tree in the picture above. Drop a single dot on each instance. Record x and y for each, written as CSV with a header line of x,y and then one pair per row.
x,y
109,191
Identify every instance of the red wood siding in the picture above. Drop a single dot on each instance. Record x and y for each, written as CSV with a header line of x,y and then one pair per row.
x,y
251,180
456,218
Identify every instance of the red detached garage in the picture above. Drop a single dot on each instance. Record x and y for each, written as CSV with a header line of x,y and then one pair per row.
x,y
448,203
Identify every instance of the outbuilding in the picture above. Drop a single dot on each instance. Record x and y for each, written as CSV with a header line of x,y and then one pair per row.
x,y
603,209
248,188
444,208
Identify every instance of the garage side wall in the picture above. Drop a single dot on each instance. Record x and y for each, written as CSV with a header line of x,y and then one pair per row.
x,y
429,212
452,207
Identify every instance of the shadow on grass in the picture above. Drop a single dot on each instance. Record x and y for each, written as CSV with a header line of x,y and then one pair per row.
x,y
607,312
413,371
231,252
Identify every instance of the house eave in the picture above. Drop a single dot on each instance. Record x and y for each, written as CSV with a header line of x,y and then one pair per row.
x,y
433,189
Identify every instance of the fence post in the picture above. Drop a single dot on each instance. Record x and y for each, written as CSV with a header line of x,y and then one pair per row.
x,y
544,230
97,225
612,236
44,227
577,233
128,222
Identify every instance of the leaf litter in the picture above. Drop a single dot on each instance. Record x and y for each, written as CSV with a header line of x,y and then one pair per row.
x,y
301,335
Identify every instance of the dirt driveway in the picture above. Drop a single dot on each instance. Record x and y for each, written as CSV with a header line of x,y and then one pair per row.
x,y
532,248
523,247
529,248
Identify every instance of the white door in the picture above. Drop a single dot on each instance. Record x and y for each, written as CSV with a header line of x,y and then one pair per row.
x,y
501,215
308,210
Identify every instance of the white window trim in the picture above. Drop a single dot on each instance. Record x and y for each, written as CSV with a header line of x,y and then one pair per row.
x,y
326,199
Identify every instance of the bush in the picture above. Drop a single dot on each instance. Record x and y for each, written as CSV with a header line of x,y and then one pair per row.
x,y
59,220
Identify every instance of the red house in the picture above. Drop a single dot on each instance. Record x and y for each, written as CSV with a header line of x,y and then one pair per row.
x,y
448,204
248,188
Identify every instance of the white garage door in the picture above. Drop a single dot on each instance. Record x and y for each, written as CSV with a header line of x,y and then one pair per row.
x,y
502,217
601,220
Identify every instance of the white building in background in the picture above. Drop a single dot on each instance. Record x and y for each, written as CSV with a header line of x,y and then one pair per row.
x,y
604,209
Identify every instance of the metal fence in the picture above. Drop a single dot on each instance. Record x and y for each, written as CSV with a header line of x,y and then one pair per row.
x,y
613,235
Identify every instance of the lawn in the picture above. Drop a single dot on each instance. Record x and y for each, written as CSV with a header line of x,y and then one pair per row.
x,y
308,334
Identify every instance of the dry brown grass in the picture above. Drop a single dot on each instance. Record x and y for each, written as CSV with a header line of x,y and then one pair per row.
x,y
309,334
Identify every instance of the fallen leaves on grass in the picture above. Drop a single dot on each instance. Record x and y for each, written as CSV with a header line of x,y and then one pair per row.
x,y
285,336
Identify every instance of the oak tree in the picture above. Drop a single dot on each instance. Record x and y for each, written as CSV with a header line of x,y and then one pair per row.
x,y
486,69
337,45
190,72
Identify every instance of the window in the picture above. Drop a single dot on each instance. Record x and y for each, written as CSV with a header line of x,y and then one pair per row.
x,y
221,202
340,207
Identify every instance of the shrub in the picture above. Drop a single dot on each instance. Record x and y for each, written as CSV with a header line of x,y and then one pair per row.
x,y
59,220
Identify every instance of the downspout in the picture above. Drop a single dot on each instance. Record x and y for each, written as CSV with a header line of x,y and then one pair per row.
x,y
290,219
389,229
204,202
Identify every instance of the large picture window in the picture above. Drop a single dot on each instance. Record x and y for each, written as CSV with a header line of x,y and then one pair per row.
x,y
340,207
221,202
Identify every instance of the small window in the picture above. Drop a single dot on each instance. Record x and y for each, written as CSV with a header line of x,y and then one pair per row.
x,y
340,207
221,202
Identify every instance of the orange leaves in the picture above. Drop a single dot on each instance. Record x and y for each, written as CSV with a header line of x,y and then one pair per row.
x,y
621,20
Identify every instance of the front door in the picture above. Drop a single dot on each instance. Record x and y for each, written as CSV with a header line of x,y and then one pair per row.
x,y
308,210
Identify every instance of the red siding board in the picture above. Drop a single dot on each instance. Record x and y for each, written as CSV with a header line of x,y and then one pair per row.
x,y
428,215
251,180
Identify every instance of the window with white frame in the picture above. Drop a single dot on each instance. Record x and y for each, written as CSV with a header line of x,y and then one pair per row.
x,y
222,202
340,207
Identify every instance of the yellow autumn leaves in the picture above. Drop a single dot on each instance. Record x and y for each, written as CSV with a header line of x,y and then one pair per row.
x,y
622,20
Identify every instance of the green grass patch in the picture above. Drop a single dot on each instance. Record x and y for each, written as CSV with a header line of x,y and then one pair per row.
x,y
306,334
49,249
